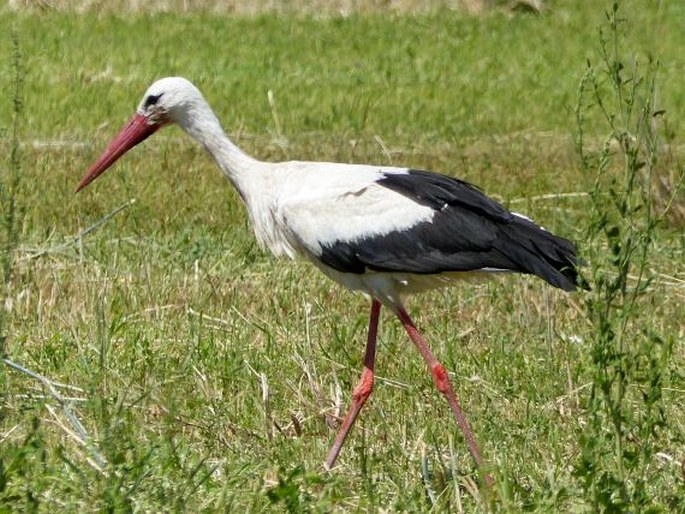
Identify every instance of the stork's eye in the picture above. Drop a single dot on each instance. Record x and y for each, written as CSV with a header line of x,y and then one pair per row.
x,y
152,100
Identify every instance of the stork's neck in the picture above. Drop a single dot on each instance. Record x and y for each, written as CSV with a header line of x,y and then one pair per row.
x,y
241,169
249,176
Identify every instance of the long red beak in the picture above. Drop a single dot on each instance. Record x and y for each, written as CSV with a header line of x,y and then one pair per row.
x,y
135,131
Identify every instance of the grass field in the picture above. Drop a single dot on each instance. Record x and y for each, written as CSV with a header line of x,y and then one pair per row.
x,y
208,376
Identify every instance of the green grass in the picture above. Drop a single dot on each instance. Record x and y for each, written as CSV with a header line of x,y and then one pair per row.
x,y
176,327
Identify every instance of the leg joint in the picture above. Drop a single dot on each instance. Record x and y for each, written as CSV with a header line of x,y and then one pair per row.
x,y
364,388
442,381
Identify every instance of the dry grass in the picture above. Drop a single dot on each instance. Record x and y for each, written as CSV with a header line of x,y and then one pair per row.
x,y
669,190
254,7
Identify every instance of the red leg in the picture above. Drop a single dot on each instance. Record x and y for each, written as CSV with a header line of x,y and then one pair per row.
x,y
443,384
363,389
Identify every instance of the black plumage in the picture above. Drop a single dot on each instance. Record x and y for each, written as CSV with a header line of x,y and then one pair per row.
x,y
469,232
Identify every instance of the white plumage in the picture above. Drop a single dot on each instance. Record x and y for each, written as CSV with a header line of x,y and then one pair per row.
x,y
383,230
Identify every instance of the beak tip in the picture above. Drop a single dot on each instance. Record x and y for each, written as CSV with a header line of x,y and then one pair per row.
x,y
135,131
81,185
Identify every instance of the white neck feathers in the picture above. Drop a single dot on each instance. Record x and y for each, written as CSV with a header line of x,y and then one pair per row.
x,y
201,123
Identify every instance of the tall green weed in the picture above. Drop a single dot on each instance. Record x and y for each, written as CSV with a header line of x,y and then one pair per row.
x,y
10,173
629,361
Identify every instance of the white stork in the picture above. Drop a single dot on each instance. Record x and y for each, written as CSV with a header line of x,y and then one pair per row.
x,y
386,231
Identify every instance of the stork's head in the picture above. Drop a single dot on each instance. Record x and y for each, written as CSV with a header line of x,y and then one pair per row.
x,y
168,100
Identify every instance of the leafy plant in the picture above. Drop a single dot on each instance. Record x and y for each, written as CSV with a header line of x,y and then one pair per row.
x,y
630,360
10,215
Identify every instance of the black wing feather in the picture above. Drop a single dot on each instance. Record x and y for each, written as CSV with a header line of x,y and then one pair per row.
x,y
469,231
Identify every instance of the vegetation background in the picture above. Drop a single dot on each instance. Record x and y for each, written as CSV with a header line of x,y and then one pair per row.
x,y
156,360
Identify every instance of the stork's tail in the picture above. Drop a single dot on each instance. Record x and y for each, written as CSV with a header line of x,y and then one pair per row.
x,y
541,253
